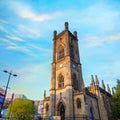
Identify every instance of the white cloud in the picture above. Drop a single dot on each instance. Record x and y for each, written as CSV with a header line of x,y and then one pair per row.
x,y
3,29
40,48
39,17
33,16
3,21
27,48
7,42
99,14
112,38
20,49
99,18
26,12
26,31
12,46
15,38
94,40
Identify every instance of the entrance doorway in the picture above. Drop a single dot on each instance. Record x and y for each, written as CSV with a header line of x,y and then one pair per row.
x,y
61,111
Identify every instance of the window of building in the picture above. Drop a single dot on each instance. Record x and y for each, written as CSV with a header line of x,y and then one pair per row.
x,y
60,81
78,103
60,53
47,107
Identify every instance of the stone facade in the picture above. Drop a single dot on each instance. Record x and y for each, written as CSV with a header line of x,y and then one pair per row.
x,y
69,98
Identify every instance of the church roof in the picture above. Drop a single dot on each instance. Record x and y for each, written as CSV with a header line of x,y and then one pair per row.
x,y
89,93
104,92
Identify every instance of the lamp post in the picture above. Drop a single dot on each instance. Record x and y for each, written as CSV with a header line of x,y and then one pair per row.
x,y
10,74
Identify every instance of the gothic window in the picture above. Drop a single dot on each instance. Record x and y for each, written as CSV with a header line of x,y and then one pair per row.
x,y
47,107
60,81
75,81
60,53
78,102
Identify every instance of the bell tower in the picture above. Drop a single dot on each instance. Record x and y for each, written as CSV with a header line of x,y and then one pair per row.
x,y
66,72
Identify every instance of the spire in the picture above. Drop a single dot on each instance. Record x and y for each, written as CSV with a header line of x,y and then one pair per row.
x,y
92,85
92,78
83,84
66,25
103,85
97,81
44,93
113,91
108,89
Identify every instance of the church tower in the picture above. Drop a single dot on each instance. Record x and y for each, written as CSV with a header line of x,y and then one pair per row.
x,y
66,73
69,98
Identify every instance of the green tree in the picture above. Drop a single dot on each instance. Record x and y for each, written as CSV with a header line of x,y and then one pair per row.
x,y
21,109
116,100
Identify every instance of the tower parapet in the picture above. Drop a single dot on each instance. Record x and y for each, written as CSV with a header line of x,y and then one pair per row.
x,y
54,34
66,25
75,34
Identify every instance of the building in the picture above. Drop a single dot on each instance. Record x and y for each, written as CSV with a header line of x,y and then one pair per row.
x,y
13,96
39,105
1,97
9,98
69,98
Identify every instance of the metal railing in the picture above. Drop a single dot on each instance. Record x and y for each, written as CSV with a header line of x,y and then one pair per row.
x,y
73,118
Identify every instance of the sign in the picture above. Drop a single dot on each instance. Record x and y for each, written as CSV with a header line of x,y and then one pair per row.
x,y
55,118
1,100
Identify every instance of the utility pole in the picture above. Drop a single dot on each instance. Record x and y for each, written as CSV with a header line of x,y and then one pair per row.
x,y
10,74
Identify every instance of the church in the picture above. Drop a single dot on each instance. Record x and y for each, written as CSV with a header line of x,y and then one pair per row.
x,y
69,98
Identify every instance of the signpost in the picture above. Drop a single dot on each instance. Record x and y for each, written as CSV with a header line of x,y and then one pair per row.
x,y
1,100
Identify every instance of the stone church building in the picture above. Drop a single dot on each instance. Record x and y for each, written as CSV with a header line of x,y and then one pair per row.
x,y
69,98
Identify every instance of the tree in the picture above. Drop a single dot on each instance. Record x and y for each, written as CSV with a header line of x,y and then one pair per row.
x,y
21,109
116,100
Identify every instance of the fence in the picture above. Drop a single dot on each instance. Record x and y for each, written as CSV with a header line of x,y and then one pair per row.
x,y
73,118
48,118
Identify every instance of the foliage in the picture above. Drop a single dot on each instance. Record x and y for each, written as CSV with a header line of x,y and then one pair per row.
x,y
21,109
116,99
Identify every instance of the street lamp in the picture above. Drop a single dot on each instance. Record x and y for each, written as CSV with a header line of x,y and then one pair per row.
x,y
10,74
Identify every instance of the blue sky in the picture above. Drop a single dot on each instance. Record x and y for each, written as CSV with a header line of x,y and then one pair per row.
x,y
26,34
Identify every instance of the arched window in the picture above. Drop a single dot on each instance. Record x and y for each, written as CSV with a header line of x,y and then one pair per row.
x,y
60,53
75,81
78,102
47,107
60,81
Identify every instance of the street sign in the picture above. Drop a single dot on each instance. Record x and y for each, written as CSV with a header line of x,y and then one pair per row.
x,y
1,100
